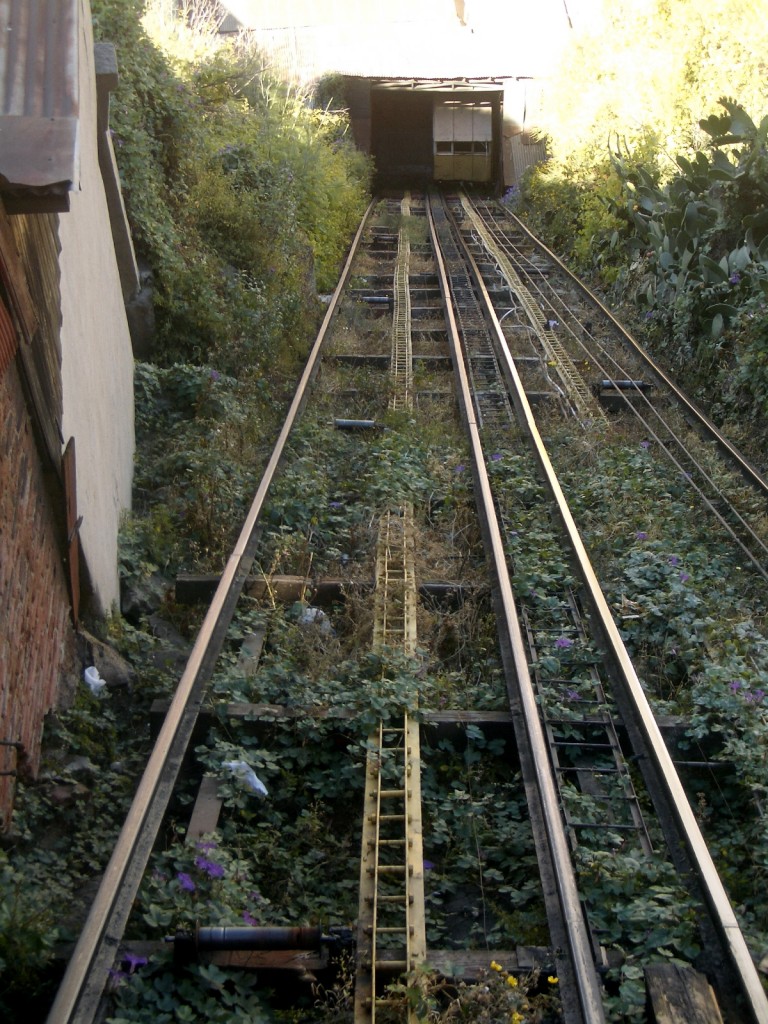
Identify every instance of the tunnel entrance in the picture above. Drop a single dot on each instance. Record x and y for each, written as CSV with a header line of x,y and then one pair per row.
x,y
435,131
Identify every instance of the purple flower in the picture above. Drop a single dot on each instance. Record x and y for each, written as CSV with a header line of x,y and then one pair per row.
x,y
185,881
673,560
215,375
734,278
211,868
645,444
641,535
563,642
249,919
133,961
334,504
117,977
460,469
428,865
573,695
735,685
210,845
684,577
496,456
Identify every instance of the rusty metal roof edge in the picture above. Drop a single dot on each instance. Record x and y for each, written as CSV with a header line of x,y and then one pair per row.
x,y
39,97
38,154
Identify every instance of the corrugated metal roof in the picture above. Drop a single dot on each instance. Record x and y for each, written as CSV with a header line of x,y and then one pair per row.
x,y
39,66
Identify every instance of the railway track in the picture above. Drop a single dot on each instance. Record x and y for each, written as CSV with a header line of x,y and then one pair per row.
x,y
434,285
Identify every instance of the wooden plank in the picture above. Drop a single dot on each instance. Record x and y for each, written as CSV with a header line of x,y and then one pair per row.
x,y
468,964
37,262
198,588
362,359
298,960
9,341
193,588
14,279
205,813
680,995
250,651
69,473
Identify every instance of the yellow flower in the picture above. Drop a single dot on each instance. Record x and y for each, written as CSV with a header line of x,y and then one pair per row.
x,y
495,966
516,1018
552,979
512,981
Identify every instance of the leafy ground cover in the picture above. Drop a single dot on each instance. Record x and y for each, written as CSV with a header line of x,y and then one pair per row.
x,y
242,197
693,617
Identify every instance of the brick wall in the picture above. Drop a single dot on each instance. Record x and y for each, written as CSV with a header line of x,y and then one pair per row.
x,y
36,635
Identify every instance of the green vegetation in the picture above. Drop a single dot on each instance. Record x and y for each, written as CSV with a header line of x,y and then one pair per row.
x,y
657,188
241,196
64,827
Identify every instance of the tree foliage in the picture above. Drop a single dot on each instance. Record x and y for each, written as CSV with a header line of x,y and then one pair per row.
x,y
657,185
241,195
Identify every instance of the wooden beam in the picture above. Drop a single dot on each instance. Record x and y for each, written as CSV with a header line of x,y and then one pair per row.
x,y
205,813
680,995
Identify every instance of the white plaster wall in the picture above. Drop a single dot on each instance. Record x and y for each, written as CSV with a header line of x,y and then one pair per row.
x,y
97,361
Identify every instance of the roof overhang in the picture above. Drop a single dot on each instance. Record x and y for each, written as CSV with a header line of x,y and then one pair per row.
x,y
448,85
39,100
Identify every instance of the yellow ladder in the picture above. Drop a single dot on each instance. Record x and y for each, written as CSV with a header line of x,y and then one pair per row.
x,y
391,935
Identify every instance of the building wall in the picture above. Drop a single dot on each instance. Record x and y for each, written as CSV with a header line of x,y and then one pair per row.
x,y
521,147
36,636
97,361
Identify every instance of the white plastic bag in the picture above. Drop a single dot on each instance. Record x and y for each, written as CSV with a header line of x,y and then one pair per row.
x,y
243,771
93,680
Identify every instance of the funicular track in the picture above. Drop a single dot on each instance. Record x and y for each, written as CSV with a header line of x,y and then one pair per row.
x,y
556,755
565,315
737,973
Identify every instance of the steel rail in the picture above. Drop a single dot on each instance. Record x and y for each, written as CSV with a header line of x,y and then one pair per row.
x,y
655,431
719,904
580,946
81,990
744,465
